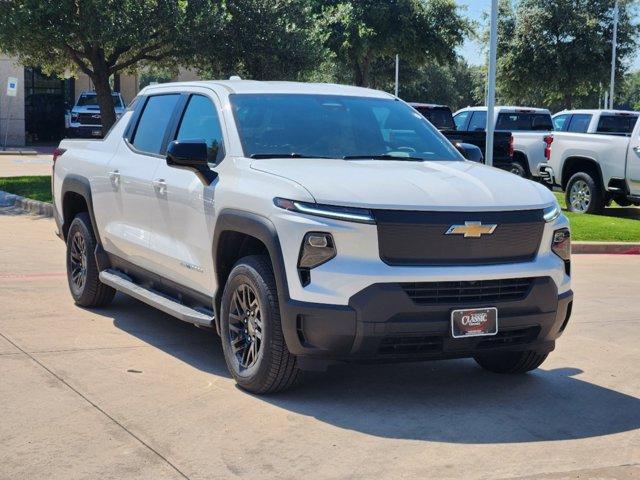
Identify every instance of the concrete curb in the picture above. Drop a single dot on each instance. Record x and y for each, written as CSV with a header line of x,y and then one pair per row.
x,y
26,205
18,152
610,248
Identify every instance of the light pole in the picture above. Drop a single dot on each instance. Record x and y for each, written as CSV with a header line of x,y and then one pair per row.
x,y
614,44
491,88
397,72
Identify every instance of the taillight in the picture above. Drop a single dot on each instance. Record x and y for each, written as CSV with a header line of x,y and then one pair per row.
x,y
511,146
548,140
56,154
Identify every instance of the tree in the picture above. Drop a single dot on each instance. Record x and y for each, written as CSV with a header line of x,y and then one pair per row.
x,y
360,34
263,40
103,37
558,52
629,93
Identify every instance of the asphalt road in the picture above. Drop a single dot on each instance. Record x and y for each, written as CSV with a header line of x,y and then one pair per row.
x,y
18,165
128,392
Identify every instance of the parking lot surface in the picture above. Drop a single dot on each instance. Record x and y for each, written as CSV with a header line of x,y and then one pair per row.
x,y
19,165
128,392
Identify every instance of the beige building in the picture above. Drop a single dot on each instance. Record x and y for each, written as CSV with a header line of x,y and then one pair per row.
x,y
36,115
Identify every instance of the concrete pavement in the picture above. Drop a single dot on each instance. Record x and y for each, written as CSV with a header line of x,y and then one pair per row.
x,y
128,392
19,165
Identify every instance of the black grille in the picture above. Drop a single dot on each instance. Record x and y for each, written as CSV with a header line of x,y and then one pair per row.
x,y
419,238
88,119
410,345
487,291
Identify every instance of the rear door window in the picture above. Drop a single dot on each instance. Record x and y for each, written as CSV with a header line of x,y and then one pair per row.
x,y
579,123
617,124
152,127
478,122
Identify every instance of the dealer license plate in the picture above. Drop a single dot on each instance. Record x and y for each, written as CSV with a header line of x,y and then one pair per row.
x,y
474,322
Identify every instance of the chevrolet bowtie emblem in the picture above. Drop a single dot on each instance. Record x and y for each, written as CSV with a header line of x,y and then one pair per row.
x,y
471,229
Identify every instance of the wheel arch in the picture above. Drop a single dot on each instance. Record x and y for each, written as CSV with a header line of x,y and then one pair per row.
x,y
575,164
239,233
521,157
76,197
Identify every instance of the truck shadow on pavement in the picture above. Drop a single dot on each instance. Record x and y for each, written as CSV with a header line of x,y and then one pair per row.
x,y
452,401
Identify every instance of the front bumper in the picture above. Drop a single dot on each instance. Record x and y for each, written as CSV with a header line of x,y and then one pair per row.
x,y
382,323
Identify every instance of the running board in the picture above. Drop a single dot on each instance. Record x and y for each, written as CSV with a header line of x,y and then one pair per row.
x,y
124,284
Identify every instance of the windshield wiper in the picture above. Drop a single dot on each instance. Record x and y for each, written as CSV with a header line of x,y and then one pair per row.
x,y
284,155
383,157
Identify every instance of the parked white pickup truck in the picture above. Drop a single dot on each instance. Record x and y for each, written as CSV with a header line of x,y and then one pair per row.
x,y
595,158
530,127
310,224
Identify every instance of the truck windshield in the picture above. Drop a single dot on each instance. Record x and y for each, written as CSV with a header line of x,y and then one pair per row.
x,y
92,101
335,126
518,121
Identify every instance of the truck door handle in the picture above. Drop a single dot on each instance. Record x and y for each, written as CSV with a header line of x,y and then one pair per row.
x,y
114,176
160,186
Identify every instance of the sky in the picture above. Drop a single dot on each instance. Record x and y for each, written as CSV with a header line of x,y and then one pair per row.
x,y
471,50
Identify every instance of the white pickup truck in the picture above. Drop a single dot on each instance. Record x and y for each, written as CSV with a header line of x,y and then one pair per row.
x,y
595,158
309,224
530,128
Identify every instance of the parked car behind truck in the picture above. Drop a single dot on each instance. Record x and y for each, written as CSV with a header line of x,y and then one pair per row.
x,y
442,118
530,127
310,224
85,119
595,158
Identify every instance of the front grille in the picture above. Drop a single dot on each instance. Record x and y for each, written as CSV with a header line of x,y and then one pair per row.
x,y
88,119
410,345
487,291
421,239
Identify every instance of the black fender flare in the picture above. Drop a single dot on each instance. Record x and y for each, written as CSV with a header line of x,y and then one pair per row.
x,y
81,185
257,226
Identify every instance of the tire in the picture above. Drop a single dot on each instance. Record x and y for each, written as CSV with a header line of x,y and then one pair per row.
x,y
252,340
511,362
82,270
517,169
584,195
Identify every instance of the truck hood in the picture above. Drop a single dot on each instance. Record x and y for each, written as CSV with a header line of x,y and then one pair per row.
x,y
428,185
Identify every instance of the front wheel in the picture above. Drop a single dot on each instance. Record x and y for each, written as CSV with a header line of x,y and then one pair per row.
x,y
511,362
584,195
252,340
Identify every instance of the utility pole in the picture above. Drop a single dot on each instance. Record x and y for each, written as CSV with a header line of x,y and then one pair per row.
x,y
397,73
614,44
491,88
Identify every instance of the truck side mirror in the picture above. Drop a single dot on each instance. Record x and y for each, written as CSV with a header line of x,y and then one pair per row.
x,y
191,155
470,152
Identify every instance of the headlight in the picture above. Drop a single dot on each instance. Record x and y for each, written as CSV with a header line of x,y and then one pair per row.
x,y
348,214
317,248
551,213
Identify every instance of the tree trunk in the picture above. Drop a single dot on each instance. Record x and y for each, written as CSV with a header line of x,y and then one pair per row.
x,y
568,101
105,100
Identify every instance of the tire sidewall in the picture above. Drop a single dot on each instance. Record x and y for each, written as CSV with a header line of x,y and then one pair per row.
x,y
246,273
521,171
78,226
595,203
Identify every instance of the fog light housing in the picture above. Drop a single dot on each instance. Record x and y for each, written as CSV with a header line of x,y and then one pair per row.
x,y
561,246
317,248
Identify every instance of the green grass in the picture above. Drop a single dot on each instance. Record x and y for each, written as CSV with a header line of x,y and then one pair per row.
x,y
34,187
616,224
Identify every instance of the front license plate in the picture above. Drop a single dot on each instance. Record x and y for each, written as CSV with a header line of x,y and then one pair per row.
x,y
96,133
474,322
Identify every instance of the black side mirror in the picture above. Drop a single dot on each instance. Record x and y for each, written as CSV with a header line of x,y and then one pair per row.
x,y
191,155
470,152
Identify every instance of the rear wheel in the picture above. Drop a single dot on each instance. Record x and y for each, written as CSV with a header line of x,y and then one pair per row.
x,y
517,169
252,339
584,195
82,270
511,362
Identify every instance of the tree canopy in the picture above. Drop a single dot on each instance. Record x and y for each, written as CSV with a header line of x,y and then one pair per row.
x,y
558,52
361,34
103,37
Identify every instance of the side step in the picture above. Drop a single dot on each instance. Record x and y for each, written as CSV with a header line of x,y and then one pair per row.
x,y
124,284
